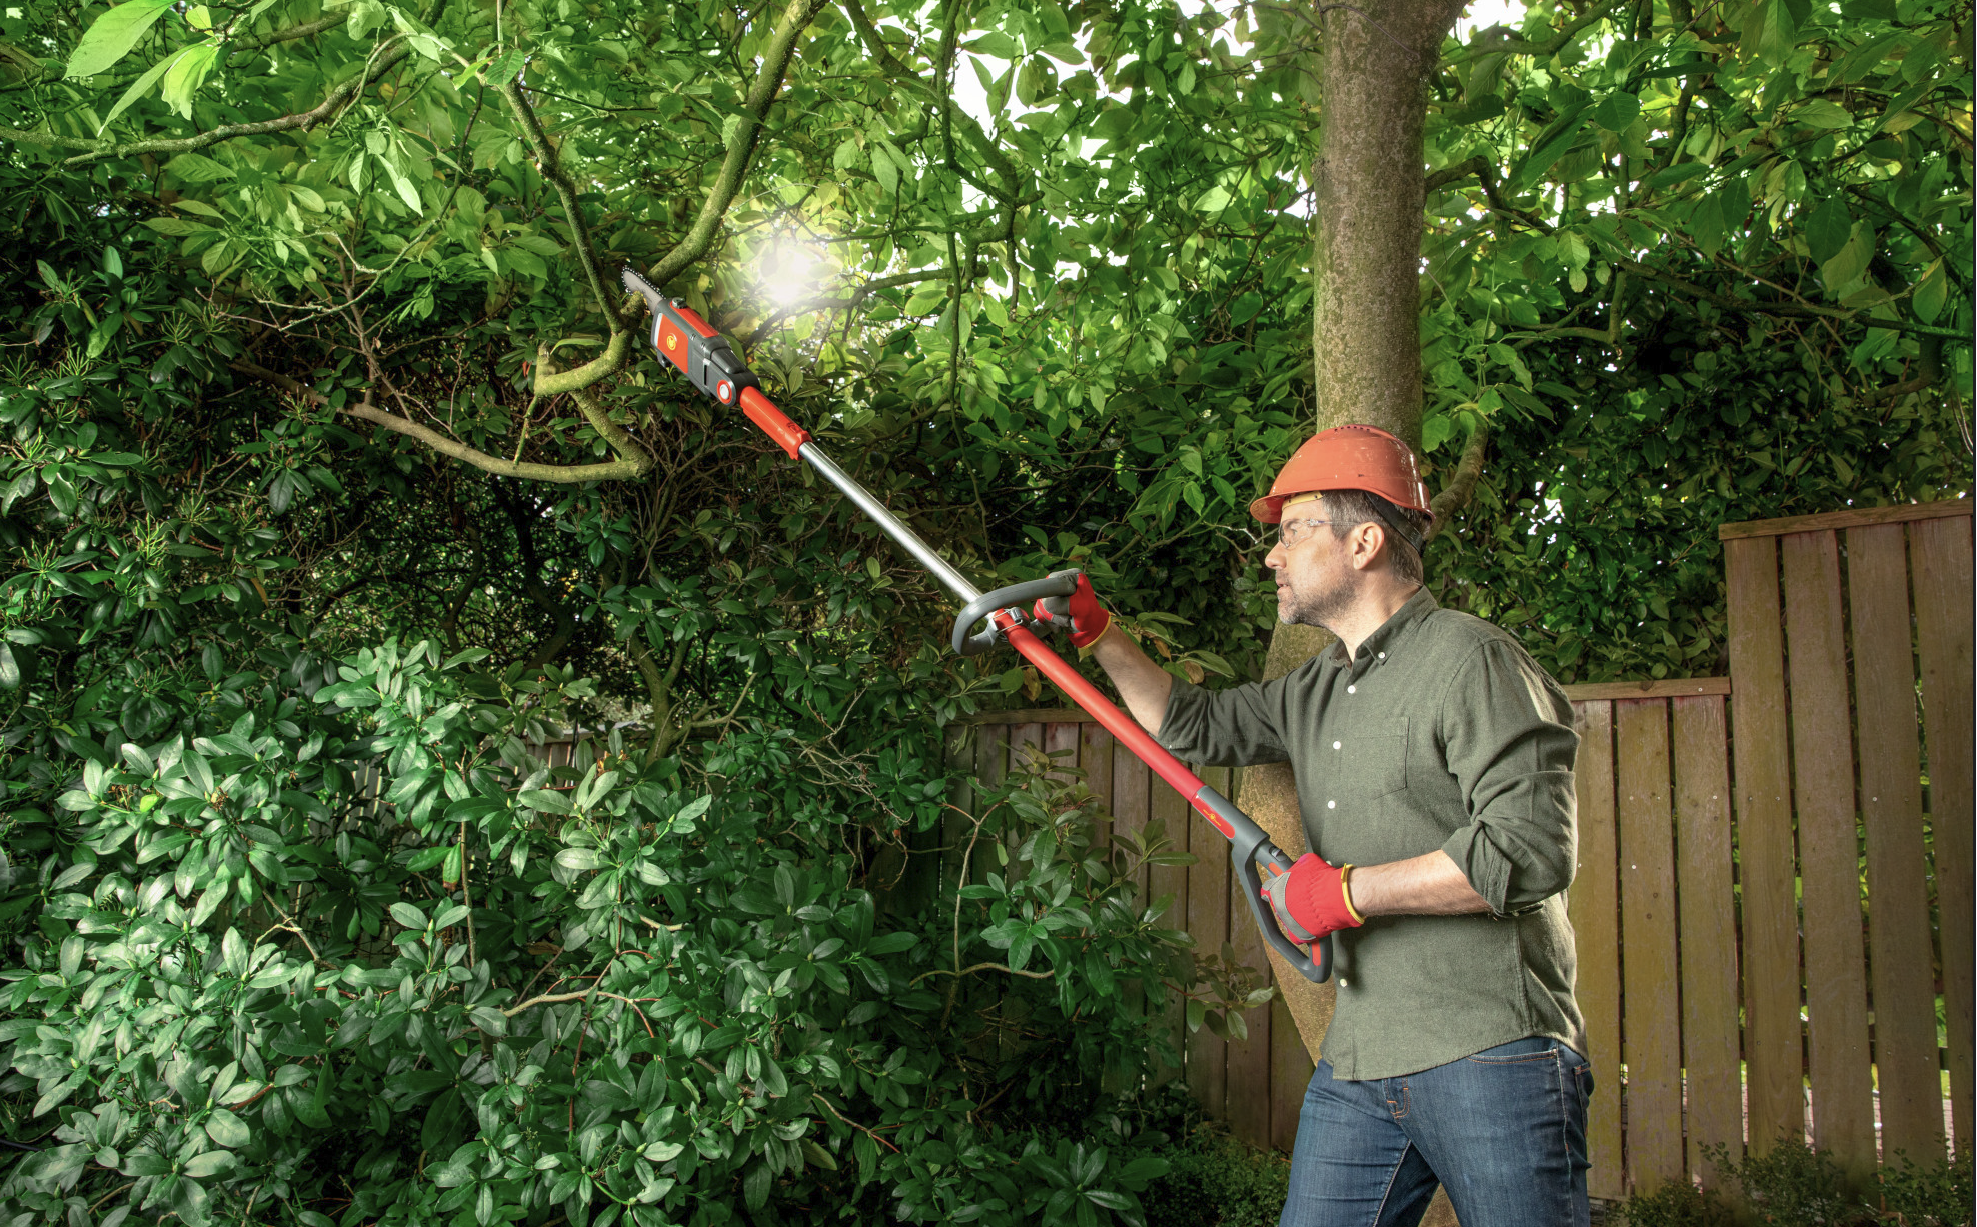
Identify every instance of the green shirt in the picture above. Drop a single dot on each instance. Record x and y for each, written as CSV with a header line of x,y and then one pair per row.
x,y
1441,733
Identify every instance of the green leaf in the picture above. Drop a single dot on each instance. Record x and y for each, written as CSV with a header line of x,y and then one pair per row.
x,y
892,943
580,859
1827,229
111,36
547,800
210,1163
426,858
1617,111
197,168
489,1019
141,87
1824,113
187,74
408,915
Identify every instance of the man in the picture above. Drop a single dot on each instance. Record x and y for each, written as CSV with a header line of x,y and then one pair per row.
x,y
1434,772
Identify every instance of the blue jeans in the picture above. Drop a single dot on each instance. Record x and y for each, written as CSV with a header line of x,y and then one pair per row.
x,y
1504,1130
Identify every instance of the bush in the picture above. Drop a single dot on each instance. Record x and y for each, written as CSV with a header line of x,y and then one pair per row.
x,y
355,955
1935,1196
1793,1185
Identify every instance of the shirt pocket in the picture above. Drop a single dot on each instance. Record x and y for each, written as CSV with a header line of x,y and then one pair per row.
x,y
1372,760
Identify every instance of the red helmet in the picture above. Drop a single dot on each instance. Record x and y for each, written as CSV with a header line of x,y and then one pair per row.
x,y
1347,458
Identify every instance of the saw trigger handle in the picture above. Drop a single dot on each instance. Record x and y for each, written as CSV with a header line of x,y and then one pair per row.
x,y
1016,596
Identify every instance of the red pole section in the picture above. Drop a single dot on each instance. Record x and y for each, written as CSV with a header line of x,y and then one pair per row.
x,y
763,412
1118,723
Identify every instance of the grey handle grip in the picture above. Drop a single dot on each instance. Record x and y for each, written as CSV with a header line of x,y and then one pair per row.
x,y
1252,841
1018,595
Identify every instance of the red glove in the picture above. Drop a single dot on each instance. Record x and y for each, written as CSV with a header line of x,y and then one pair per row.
x,y
1080,613
1312,900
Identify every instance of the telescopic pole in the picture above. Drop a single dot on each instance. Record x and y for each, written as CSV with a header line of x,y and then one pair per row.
x,y
689,344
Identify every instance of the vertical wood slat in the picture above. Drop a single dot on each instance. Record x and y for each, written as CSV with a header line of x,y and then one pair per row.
x,y
1774,1050
1714,1091
1095,758
1208,921
1130,783
1249,1059
1060,745
1290,1074
1941,563
1168,813
1649,991
1594,907
1829,854
962,755
1902,975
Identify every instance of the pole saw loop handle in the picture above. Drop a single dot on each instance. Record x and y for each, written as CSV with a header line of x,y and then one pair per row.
x,y
1017,596
1251,844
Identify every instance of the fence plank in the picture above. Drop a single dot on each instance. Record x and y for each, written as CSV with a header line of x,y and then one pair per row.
x,y
1649,993
1714,1089
1290,1074
1208,922
1168,814
1594,907
1774,1044
962,749
1829,854
1130,783
1249,1059
1095,757
1942,572
1901,958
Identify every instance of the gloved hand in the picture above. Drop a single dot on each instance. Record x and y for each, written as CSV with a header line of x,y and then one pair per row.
x,y
1312,900
1080,613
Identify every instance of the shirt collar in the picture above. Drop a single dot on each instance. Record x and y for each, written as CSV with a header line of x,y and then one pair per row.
x,y
1392,631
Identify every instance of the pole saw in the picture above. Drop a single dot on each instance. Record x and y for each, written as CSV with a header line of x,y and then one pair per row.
x,y
688,343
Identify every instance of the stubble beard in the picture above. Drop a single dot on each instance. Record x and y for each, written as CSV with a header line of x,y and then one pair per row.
x,y
1319,604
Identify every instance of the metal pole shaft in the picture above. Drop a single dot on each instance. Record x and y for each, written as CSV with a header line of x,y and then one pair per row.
x,y
891,524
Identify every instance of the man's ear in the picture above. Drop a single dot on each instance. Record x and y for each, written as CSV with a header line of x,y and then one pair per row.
x,y
1368,545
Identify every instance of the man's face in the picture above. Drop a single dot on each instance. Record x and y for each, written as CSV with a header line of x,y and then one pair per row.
x,y
1315,579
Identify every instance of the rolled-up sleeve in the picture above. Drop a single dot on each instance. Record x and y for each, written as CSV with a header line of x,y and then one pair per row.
x,y
1507,729
1226,728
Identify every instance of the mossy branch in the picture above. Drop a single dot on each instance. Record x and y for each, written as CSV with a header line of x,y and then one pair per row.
x,y
97,151
1462,486
550,163
741,146
566,474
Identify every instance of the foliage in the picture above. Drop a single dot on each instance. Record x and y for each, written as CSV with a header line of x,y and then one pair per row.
x,y
1794,1185
311,349
1070,321
1216,1181
363,932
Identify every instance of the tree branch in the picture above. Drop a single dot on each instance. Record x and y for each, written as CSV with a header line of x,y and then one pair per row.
x,y
552,168
1508,45
942,971
96,151
1462,486
741,147
568,474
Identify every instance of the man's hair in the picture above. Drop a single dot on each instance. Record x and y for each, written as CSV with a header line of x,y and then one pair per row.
x,y
1351,508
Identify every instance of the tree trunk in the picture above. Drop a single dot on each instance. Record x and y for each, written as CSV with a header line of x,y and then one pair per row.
x,y
1374,64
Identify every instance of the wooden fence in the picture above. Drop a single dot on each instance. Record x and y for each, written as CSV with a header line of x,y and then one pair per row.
x,y
1774,883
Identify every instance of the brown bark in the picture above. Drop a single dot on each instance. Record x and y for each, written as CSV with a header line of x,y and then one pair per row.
x,y
1370,191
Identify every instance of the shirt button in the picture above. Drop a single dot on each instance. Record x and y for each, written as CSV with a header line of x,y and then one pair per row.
x,y
1342,983
1351,689
1331,805
1383,656
1335,745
